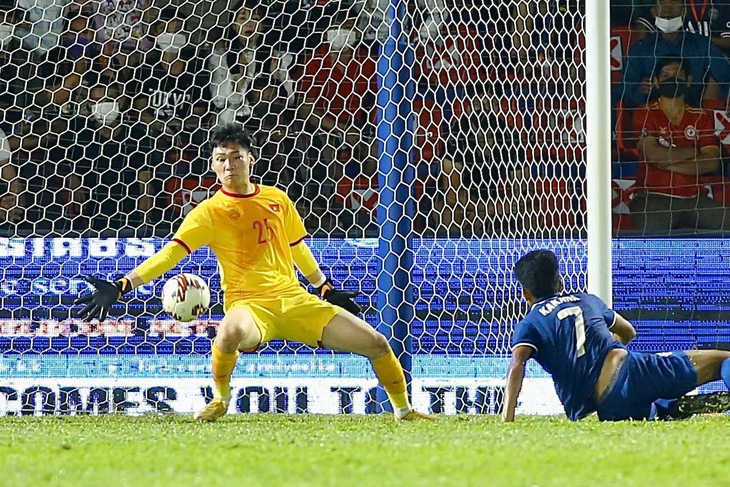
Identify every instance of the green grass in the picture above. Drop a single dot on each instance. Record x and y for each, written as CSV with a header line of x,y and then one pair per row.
x,y
272,450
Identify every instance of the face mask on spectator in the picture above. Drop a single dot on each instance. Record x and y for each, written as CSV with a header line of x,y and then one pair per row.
x,y
6,34
171,42
429,31
340,39
669,25
672,87
106,112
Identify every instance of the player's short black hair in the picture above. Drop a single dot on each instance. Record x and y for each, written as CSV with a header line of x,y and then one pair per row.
x,y
684,64
231,133
537,271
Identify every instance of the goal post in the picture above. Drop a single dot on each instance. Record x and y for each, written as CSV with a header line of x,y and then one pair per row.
x,y
598,150
427,144
396,208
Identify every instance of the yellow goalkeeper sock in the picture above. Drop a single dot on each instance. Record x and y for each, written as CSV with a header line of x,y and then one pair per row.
x,y
223,365
390,374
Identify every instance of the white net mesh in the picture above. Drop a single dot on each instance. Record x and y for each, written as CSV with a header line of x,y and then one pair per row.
x,y
107,107
671,78
670,86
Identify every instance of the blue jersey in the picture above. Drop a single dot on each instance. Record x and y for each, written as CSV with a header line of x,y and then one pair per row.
x,y
570,337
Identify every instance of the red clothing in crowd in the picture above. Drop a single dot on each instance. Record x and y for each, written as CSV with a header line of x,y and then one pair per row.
x,y
346,94
696,129
455,63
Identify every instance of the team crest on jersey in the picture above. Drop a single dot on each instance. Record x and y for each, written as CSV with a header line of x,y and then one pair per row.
x,y
274,207
690,132
234,215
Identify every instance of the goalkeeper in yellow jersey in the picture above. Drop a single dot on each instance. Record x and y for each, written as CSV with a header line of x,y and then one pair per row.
x,y
257,236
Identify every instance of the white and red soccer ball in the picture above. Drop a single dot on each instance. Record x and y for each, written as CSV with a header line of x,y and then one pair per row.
x,y
185,297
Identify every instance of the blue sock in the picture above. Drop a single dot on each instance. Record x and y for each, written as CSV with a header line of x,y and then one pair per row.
x,y
725,372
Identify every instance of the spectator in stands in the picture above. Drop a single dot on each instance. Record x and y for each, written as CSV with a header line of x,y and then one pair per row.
x,y
374,24
710,18
122,31
170,93
74,59
16,113
548,44
100,142
337,90
273,125
9,65
372,20
449,53
103,39
670,40
11,201
678,145
297,27
238,58
17,74
44,27
482,166
86,145
99,43
20,77
221,82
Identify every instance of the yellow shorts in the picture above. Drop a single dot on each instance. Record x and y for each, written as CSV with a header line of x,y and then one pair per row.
x,y
300,317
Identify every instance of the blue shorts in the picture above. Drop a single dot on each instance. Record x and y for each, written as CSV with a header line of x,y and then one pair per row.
x,y
644,378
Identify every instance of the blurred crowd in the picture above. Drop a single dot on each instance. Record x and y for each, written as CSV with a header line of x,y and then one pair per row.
x,y
106,106
670,114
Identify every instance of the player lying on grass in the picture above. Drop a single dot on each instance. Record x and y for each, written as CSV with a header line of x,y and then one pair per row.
x,y
582,344
257,237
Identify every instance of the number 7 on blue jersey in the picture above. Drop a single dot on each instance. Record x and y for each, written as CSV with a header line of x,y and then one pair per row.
x,y
580,327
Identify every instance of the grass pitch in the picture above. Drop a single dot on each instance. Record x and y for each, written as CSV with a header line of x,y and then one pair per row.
x,y
272,450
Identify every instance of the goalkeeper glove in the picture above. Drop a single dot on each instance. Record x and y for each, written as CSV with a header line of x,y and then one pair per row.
x,y
99,302
343,299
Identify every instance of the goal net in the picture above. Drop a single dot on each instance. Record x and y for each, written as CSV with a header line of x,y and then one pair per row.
x,y
106,111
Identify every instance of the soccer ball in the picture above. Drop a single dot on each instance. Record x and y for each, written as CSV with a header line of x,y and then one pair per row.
x,y
185,297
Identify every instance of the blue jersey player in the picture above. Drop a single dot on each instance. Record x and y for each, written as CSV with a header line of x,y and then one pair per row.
x,y
581,343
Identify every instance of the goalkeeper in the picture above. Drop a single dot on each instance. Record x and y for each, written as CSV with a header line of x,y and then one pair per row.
x,y
257,236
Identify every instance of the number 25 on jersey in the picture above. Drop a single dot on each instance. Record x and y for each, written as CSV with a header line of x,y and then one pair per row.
x,y
265,231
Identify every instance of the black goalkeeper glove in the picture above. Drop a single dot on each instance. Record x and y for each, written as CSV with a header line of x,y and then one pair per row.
x,y
343,299
99,302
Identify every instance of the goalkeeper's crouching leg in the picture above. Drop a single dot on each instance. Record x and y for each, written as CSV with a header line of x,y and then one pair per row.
x,y
390,373
223,365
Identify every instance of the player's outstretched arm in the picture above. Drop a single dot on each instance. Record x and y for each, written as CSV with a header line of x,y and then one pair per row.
x,y
623,330
107,293
520,355
308,266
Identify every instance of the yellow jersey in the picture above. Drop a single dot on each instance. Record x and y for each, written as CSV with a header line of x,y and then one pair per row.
x,y
251,235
